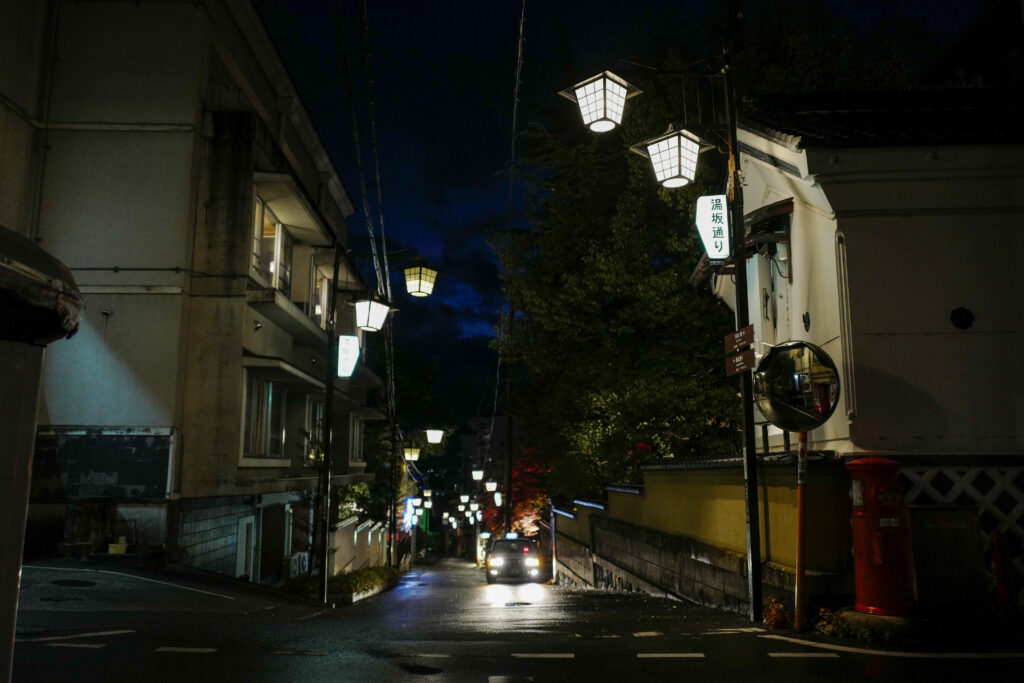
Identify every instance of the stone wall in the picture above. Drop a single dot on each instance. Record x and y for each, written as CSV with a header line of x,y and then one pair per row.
x,y
205,532
632,557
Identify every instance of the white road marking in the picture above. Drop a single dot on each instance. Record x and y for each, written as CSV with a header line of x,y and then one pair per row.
x,y
804,655
84,646
543,655
130,576
646,634
891,653
77,635
670,655
198,650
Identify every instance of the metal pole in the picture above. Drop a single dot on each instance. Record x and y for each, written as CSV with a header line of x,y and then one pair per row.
x,y
328,426
393,513
801,526
508,450
737,239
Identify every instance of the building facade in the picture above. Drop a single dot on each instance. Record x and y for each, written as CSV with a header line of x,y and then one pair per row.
x,y
172,166
887,231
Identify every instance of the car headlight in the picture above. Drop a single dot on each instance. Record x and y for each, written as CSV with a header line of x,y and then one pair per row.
x,y
495,561
531,562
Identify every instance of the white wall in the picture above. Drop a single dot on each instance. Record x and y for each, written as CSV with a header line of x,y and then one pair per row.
x,y
119,370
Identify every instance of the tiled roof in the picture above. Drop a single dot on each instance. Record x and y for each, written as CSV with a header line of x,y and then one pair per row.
x,y
890,119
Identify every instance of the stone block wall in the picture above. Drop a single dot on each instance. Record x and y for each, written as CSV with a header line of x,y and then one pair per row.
x,y
635,558
205,532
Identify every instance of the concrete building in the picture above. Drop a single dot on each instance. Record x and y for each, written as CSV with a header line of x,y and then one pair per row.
x,y
171,165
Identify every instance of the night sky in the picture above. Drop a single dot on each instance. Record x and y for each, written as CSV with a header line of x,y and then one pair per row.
x,y
443,88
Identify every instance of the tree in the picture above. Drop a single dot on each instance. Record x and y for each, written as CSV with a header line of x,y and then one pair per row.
x,y
529,498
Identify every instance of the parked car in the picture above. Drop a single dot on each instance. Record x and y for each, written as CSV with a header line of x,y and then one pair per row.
x,y
509,558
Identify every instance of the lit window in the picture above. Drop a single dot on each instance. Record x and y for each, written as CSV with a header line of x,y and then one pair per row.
x,y
264,418
271,258
314,430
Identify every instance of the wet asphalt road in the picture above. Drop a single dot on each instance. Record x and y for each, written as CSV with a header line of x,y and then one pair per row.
x,y
442,623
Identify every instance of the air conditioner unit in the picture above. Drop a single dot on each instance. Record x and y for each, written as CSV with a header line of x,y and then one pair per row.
x,y
298,564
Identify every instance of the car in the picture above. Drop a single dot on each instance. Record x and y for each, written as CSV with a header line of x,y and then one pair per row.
x,y
513,558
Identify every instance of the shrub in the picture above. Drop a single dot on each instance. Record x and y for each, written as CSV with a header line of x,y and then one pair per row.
x,y
775,616
362,580
355,581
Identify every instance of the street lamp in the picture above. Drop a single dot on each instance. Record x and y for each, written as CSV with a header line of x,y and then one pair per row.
x,y
497,498
427,493
674,157
462,507
411,454
474,507
478,474
371,314
435,435
491,486
428,504
601,100
419,280
464,498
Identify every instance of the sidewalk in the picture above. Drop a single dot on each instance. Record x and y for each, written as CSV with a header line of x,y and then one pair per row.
x,y
915,636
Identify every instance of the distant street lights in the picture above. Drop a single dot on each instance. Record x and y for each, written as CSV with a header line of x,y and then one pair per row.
x,y
673,157
435,435
411,454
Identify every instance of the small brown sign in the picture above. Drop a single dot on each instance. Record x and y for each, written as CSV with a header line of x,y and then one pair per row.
x,y
739,339
740,362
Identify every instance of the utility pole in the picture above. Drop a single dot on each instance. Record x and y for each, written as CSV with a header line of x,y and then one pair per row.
x,y
737,238
324,515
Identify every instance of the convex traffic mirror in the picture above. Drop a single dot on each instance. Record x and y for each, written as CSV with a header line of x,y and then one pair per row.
x,y
796,386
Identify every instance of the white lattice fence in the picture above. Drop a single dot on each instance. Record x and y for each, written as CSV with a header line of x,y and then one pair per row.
x,y
997,492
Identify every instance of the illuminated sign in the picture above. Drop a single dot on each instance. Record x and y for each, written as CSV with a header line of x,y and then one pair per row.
x,y
713,225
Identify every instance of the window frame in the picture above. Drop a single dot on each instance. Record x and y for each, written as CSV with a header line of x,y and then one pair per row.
x,y
271,458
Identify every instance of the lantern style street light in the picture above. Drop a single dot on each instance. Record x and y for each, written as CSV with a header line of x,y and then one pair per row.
x,y
416,502
464,498
427,493
478,475
371,314
411,454
444,515
474,507
601,100
435,435
491,486
419,280
428,503
673,156
674,160
462,507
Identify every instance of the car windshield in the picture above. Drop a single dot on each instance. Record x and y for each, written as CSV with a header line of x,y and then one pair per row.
x,y
511,546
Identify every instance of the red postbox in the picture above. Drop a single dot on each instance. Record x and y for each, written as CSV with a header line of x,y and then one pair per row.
x,y
880,542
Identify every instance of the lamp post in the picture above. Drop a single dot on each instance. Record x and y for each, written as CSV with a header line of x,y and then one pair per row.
x,y
673,158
